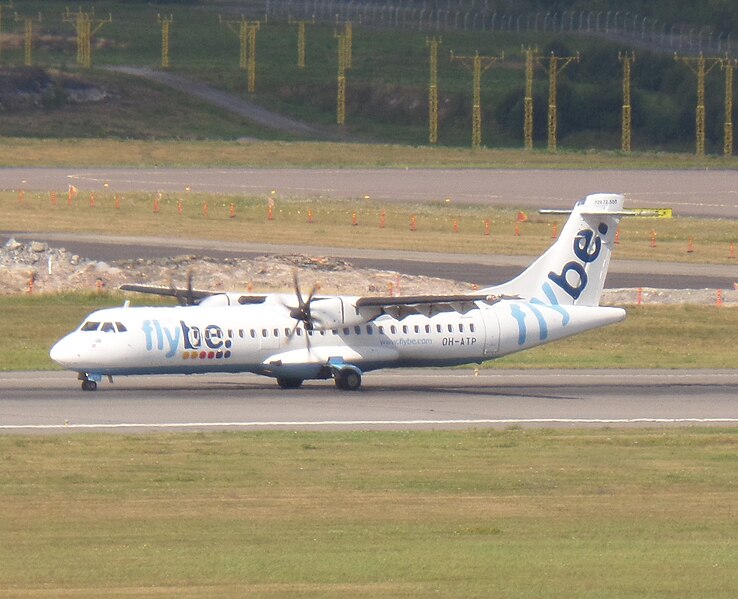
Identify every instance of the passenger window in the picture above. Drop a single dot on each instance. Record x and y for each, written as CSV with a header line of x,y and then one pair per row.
x,y
461,328
121,327
417,329
439,328
427,328
299,332
393,329
381,330
240,333
471,327
107,327
346,331
357,330
253,333
276,332
230,333
322,333
264,332
369,330
90,326
334,331
404,328
450,328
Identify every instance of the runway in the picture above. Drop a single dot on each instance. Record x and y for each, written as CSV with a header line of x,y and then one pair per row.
x,y
52,402
712,193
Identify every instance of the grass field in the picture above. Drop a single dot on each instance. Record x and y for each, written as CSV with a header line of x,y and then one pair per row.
x,y
73,151
332,219
516,513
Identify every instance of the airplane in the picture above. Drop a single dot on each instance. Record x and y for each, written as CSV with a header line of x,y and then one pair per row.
x,y
294,338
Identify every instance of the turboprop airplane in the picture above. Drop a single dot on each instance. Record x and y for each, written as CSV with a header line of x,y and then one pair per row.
x,y
293,338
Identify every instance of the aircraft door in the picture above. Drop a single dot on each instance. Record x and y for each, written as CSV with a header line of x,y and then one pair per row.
x,y
491,333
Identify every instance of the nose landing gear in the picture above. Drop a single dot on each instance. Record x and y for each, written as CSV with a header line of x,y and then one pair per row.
x,y
89,381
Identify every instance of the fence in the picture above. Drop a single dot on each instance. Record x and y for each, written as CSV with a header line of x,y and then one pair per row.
x,y
414,16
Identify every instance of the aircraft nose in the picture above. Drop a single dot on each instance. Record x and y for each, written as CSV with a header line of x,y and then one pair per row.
x,y
64,352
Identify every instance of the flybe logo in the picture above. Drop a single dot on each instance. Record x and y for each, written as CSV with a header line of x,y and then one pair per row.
x,y
205,344
587,248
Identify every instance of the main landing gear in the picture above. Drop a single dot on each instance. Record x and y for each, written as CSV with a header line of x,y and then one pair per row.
x,y
348,379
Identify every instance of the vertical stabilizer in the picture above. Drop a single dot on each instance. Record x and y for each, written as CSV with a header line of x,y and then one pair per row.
x,y
573,270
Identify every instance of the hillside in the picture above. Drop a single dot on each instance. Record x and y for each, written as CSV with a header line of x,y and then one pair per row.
x,y
386,86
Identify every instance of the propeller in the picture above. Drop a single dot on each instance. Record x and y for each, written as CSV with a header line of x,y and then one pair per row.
x,y
185,296
301,312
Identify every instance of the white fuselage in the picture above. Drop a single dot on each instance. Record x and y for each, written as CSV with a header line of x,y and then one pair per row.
x,y
263,338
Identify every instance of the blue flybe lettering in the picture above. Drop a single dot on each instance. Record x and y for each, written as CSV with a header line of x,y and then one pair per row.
x,y
167,338
586,248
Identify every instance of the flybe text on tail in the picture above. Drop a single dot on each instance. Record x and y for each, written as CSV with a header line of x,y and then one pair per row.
x,y
587,245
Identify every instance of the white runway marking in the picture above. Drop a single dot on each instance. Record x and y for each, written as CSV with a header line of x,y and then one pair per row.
x,y
288,423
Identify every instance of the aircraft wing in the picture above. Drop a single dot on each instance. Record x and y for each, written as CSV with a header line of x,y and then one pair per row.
x,y
428,305
189,296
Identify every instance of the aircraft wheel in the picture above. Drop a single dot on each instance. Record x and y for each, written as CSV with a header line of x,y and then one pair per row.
x,y
289,383
88,385
348,380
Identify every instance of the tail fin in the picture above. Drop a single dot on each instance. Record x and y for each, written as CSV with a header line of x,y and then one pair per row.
x,y
572,271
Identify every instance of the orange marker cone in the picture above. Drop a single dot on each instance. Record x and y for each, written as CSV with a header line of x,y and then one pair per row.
x,y
382,219
413,223
653,238
487,227
117,201
180,207
731,256
232,211
456,225
354,219
639,297
690,246
205,209
92,199
719,300
270,212
310,216
554,231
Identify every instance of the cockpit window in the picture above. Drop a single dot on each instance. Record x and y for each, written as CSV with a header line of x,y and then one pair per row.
x,y
107,327
90,326
121,327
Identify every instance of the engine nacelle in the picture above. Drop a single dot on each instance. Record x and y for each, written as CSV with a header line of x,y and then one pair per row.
x,y
334,312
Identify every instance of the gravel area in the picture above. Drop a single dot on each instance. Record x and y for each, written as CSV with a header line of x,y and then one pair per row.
x,y
39,268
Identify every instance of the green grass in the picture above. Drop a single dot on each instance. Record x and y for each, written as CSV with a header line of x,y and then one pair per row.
x,y
332,220
74,151
651,336
517,513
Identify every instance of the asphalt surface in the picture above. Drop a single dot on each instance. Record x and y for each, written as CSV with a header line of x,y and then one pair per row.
x,y
392,399
711,193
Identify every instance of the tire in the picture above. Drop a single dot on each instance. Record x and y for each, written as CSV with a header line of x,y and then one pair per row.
x,y
289,383
348,380
88,385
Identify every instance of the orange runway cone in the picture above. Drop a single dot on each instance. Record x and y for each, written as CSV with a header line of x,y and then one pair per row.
x,y
653,239
554,231
456,226
690,246
180,207
310,216
719,299
487,227
92,199
205,209
413,223
232,211
117,201
354,220
382,219
639,297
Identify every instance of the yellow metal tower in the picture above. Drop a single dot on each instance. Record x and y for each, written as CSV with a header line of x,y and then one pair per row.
x,y
728,65
3,6
301,39
433,43
341,94
627,60
28,37
699,66
478,65
165,24
556,64
531,55
86,26
247,36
